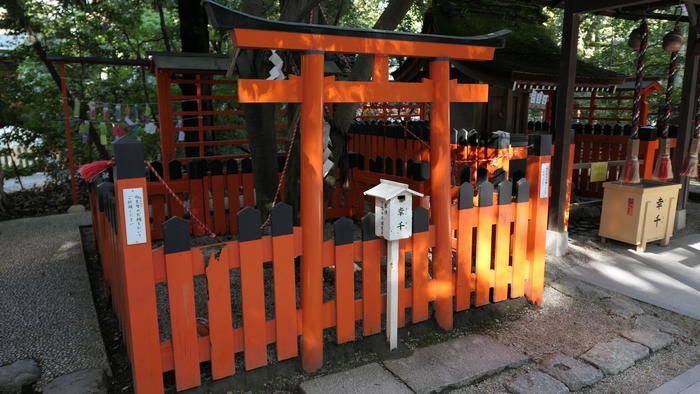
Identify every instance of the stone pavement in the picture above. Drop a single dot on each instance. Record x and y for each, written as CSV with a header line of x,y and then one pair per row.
x,y
430,369
465,363
46,303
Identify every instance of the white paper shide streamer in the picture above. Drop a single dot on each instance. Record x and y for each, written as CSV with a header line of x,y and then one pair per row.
x,y
277,63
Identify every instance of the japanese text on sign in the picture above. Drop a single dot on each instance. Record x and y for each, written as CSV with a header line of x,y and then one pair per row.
x,y
544,181
134,218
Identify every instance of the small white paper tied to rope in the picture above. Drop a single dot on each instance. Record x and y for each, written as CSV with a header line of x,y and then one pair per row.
x,y
327,162
150,128
277,63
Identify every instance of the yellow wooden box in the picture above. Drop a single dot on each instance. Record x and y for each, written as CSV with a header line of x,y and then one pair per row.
x,y
638,213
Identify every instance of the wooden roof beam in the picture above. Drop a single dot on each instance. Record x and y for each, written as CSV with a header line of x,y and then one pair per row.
x,y
596,6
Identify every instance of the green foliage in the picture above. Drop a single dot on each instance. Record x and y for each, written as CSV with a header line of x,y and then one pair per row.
x,y
603,42
30,99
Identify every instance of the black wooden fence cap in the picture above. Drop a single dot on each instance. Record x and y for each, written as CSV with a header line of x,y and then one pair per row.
x,y
194,169
505,192
248,224
389,166
541,144
466,195
247,165
482,174
420,220
379,164
499,175
176,235
399,167
648,133
175,170
421,170
216,167
281,219
368,233
158,166
104,189
232,166
522,190
498,140
128,154
485,194
342,231
360,161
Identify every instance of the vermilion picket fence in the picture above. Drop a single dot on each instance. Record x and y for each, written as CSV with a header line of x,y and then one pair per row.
x,y
497,245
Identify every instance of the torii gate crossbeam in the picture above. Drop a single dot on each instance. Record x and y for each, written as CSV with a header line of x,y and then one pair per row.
x,y
312,90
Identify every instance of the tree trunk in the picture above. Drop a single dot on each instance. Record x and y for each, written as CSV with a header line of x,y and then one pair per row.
x,y
194,37
262,135
260,118
344,113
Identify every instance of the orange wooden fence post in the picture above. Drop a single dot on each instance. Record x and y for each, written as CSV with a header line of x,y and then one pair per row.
x,y
522,210
538,172
440,198
503,249
486,219
285,281
135,242
467,221
311,210
183,320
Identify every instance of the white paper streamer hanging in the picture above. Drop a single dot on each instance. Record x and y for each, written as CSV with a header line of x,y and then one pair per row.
x,y
277,62
327,162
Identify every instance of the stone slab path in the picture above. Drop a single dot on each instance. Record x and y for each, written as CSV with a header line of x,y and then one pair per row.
x,y
46,305
370,378
430,369
668,277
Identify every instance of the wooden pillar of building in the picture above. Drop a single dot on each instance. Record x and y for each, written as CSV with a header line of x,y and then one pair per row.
x,y
687,110
561,167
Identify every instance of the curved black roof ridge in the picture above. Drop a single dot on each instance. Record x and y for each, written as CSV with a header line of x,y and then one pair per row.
x,y
224,18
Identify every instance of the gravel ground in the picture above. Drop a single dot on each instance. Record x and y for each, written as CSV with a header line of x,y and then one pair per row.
x,y
45,304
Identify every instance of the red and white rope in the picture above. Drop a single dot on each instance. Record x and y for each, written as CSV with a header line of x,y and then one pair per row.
x,y
179,201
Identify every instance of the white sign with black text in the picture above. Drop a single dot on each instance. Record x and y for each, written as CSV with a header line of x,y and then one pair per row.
x,y
134,216
544,181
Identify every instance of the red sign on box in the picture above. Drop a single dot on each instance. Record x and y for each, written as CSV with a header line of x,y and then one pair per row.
x,y
630,206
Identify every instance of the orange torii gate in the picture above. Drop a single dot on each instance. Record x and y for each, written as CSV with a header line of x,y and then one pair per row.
x,y
312,90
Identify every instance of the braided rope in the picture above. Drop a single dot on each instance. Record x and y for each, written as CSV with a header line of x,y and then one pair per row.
x,y
639,76
179,201
284,171
672,71
697,111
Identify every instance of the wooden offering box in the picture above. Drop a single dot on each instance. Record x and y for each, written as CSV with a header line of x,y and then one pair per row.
x,y
638,213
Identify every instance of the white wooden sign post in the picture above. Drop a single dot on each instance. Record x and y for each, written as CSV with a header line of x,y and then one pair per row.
x,y
393,210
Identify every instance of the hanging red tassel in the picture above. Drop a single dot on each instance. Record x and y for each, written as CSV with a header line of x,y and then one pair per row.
x,y
630,172
91,170
663,169
690,164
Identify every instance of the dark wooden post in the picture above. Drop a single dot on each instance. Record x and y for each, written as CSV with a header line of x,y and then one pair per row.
x,y
562,123
686,125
